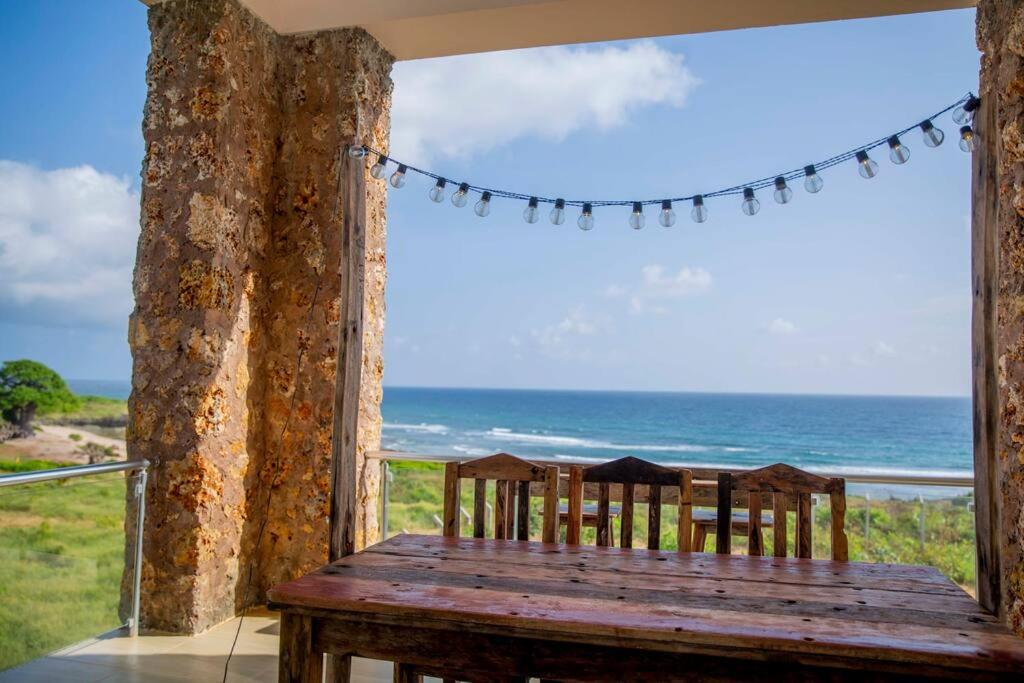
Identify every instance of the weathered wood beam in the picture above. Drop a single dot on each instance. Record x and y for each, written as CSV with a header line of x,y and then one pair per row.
x,y
350,360
984,273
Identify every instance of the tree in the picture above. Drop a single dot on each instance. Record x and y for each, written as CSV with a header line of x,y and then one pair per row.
x,y
28,387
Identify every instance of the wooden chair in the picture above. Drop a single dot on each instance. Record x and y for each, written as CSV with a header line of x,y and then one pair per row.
x,y
512,478
782,481
706,522
629,473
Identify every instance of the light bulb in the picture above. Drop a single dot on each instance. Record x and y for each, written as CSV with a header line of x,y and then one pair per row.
x,y
782,192
933,136
667,217
356,151
461,195
378,169
586,219
483,207
398,177
969,140
436,193
699,212
750,204
531,214
964,114
898,152
812,181
866,166
636,219
557,214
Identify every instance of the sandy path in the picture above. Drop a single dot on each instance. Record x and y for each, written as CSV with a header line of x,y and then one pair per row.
x,y
54,443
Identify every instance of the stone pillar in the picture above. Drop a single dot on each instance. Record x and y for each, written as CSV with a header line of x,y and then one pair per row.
x,y
999,277
237,285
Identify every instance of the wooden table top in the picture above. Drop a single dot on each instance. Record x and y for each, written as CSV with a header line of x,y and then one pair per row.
x,y
841,613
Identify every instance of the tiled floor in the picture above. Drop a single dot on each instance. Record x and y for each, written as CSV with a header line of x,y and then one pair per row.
x,y
116,658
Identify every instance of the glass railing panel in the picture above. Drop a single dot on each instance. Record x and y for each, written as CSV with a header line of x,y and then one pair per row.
x,y
62,556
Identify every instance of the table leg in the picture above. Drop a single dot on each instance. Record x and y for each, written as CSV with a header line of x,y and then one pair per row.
x,y
298,663
406,673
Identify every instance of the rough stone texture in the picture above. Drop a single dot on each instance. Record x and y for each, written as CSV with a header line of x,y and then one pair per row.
x,y
1001,41
237,270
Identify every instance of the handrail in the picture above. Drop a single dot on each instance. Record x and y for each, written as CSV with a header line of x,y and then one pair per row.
x,y
704,471
59,473
71,472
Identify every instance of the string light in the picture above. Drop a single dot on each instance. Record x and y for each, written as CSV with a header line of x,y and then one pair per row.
x,y
436,193
483,207
963,110
969,140
531,214
586,219
398,177
378,169
933,136
557,215
812,181
461,195
866,166
782,192
964,114
699,212
898,152
667,217
636,219
750,204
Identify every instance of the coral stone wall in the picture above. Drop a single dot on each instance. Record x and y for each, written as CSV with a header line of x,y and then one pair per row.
x,y
1001,40
237,271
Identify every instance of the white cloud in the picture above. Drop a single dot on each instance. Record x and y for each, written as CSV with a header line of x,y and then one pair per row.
x,y
456,106
882,349
562,339
658,284
781,326
67,245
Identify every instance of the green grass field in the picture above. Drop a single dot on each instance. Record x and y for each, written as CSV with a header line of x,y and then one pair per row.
x,y
61,558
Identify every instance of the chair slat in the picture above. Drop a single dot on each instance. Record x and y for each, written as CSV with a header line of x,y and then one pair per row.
x,y
500,508
685,511
837,501
523,512
602,514
550,523
803,525
754,541
626,516
510,510
575,522
779,524
723,534
654,516
479,507
451,500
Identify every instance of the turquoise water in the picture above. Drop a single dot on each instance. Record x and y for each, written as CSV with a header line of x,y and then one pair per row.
x,y
833,433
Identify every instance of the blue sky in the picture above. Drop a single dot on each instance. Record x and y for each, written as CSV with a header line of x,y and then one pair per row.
x,y
863,288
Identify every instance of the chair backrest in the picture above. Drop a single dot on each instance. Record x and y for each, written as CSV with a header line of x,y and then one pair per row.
x,y
782,481
629,472
512,478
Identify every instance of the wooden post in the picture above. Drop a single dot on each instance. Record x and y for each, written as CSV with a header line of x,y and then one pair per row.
x,y
984,273
350,360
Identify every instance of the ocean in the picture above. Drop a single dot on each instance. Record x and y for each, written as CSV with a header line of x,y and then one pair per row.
x,y
875,434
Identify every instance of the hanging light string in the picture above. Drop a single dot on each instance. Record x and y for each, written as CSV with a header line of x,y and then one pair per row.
x,y
963,113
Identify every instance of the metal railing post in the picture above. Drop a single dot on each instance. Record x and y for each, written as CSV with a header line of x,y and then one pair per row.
x,y
920,499
385,485
140,495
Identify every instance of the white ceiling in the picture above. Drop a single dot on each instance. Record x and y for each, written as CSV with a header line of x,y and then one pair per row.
x,y
412,29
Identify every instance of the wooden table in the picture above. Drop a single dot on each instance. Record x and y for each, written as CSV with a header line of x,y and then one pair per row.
x,y
495,610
